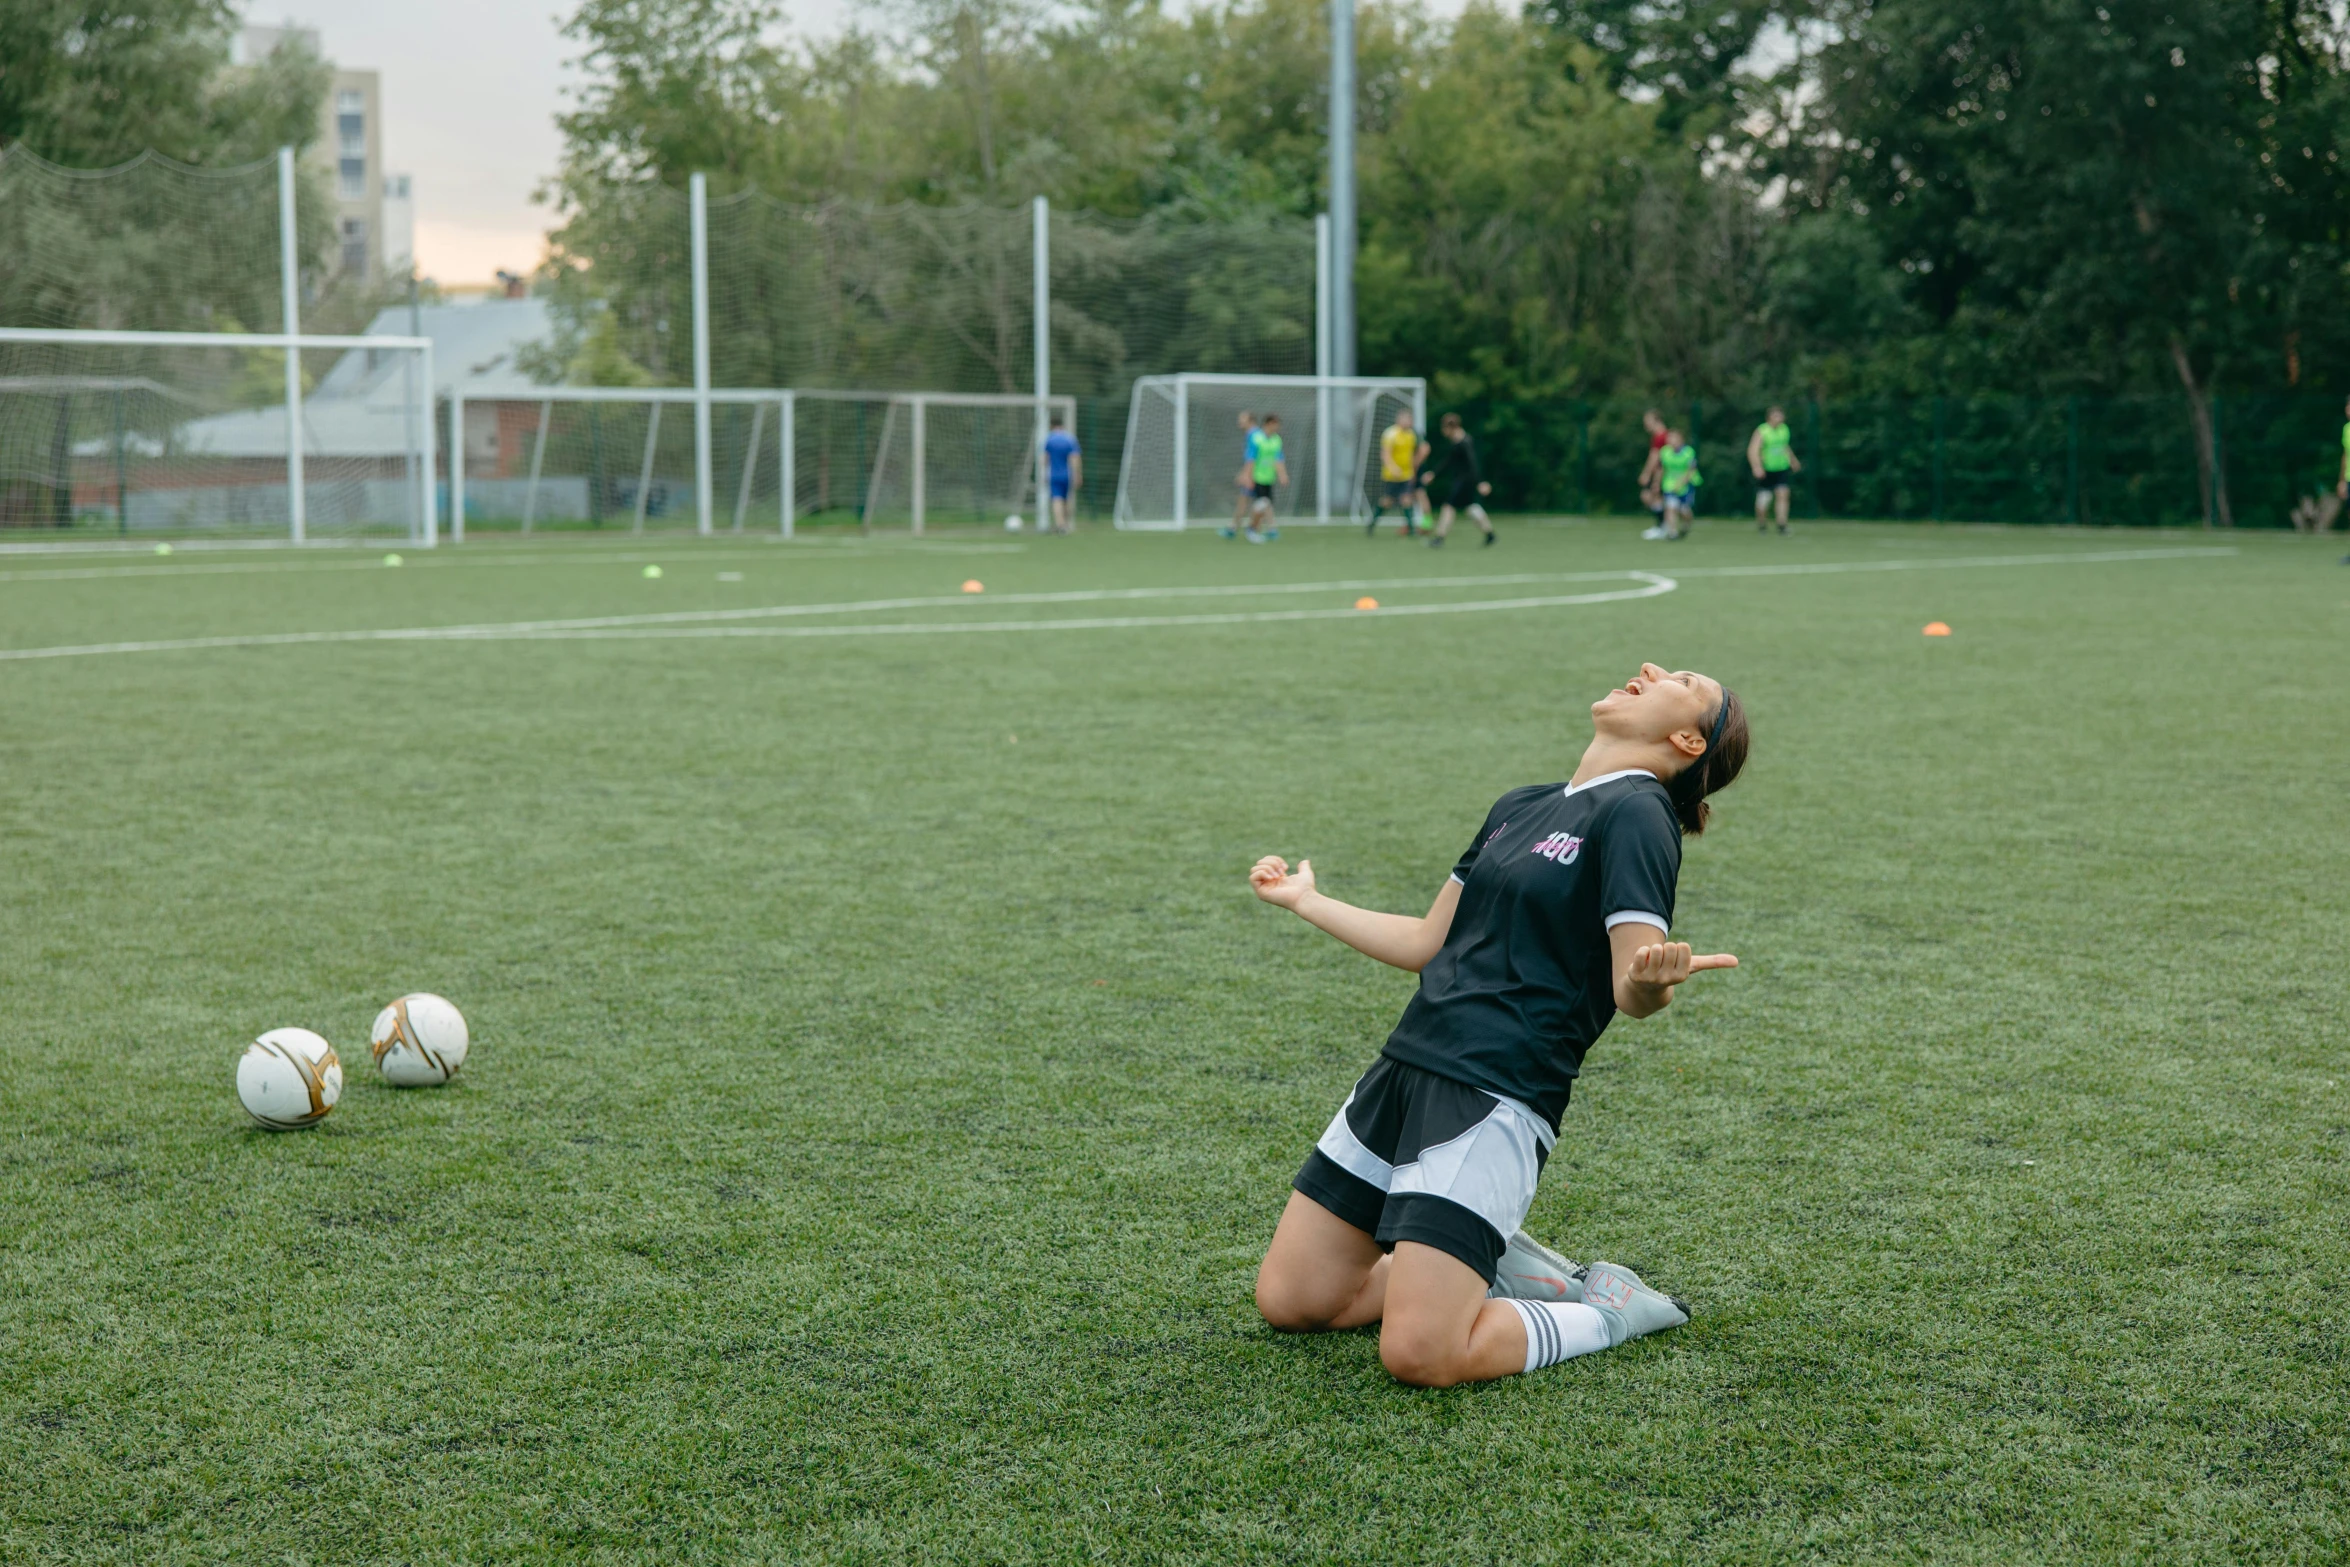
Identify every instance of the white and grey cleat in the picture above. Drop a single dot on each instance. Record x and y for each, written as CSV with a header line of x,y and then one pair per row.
x,y
1629,1307
1529,1270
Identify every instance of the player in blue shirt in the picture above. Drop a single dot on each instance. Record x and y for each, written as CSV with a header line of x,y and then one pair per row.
x,y
1064,472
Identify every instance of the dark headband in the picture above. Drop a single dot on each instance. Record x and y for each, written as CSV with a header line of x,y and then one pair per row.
x,y
1721,717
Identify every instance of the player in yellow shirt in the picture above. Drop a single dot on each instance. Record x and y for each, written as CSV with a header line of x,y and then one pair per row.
x,y
1401,451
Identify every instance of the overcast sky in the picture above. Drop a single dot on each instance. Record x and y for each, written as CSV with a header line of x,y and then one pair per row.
x,y
470,92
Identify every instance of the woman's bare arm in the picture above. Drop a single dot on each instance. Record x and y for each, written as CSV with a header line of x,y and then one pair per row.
x,y
1404,940
1648,967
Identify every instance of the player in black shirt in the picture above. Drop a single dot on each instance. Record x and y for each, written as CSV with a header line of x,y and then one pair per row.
x,y
1554,920
1457,482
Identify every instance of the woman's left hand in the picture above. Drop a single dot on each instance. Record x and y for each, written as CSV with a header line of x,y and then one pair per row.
x,y
1668,963
1484,488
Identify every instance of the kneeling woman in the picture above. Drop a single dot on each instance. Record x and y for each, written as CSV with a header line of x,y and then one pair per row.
x,y
1407,1212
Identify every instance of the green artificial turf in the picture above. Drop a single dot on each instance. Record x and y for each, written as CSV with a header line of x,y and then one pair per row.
x,y
883,1083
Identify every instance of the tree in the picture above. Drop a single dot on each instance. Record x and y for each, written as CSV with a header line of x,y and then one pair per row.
x,y
2095,196
88,83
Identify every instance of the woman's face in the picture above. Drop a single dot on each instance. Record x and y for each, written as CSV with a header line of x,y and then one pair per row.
x,y
1658,703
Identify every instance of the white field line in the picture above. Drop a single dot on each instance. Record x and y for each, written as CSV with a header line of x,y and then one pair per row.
x,y
709,623
672,558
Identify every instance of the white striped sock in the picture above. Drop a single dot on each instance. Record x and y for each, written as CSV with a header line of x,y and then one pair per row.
x,y
1559,1330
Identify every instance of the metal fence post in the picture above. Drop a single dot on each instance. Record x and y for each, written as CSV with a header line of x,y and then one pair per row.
x,y
1937,457
2072,459
1182,452
700,192
788,469
457,464
2219,469
290,307
1819,469
1583,462
921,458
1040,293
428,502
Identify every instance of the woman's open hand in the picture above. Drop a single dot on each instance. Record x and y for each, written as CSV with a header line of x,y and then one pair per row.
x,y
1275,884
1668,963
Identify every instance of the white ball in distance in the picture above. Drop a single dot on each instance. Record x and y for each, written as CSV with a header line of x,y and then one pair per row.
x,y
418,1040
289,1078
1012,523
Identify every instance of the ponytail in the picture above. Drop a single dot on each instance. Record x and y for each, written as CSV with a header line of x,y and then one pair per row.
x,y
1714,769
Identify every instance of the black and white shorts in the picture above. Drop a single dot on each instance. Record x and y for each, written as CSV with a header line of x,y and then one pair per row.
x,y
1412,1156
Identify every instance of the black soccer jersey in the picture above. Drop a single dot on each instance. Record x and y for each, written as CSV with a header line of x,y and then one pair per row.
x,y
1525,979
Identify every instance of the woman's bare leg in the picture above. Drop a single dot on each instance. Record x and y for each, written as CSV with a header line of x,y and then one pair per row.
x,y
1439,1327
1320,1273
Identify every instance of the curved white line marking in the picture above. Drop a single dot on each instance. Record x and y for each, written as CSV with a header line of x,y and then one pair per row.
x,y
707,623
1651,586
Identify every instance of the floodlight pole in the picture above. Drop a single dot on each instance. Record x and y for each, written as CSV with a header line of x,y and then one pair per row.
x,y
1041,335
289,283
700,191
1322,367
1342,188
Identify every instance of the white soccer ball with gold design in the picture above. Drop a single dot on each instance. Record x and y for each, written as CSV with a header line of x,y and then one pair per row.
x,y
289,1078
418,1041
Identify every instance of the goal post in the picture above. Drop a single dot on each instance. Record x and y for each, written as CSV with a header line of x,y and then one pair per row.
x,y
1184,446
634,457
206,434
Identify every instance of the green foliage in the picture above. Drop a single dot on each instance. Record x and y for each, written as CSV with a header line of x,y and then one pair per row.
x,y
90,83
883,1084
144,90
2096,198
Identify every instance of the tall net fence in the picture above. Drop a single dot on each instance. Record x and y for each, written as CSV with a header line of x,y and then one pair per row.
x,y
161,246
622,459
846,296
2091,461
111,439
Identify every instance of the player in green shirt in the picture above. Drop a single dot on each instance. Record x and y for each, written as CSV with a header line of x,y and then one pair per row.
x,y
1266,470
1771,454
1678,478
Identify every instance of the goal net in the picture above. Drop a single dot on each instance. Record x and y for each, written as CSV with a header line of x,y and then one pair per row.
x,y
623,458
953,456
186,434
1185,446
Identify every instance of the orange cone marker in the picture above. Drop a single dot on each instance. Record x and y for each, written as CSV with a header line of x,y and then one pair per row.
x,y
974,586
1366,603
1936,628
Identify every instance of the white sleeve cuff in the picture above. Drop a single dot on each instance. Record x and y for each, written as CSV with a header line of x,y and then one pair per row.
x,y
1456,876
1638,917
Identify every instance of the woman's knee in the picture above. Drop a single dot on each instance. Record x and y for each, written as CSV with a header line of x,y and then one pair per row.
x,y
1414,1354
1286,1306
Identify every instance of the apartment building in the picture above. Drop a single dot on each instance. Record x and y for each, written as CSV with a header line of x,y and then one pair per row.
x,y
374,211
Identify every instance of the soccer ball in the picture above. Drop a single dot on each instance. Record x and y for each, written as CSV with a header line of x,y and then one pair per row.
x,y
1012,523
418,1040
289,1078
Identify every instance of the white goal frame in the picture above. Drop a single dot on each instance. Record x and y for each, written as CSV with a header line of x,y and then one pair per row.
x,y
913,407
1177,390
297,424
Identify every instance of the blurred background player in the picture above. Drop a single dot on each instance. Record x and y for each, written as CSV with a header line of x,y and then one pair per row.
x,y
1770,452
1401,452
1458,479
1064,472
1678,479
1651,496
1266,471
1243,481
